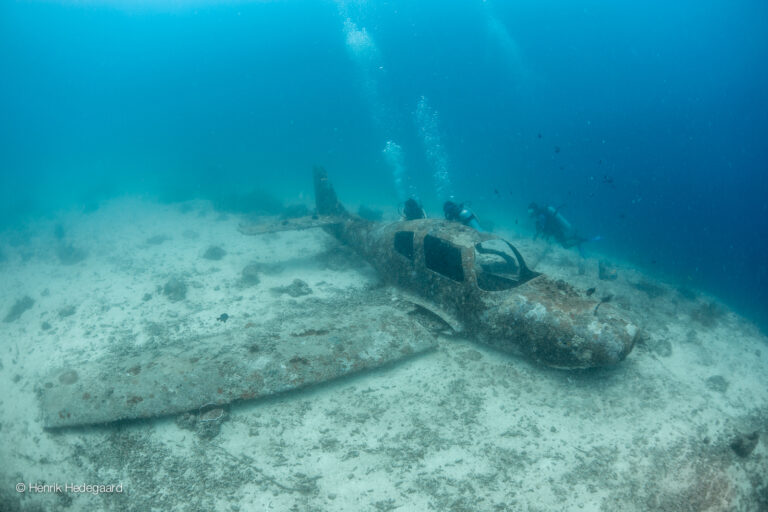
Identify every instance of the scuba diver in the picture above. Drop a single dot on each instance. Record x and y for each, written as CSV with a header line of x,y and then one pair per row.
x,y
551,223
413,210
460,213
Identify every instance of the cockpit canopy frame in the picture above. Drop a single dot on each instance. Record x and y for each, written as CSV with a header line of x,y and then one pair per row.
x,y
459,255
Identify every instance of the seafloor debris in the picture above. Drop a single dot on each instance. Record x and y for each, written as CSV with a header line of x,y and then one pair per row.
x,y
66,311
18,308
250,275
661,347
68,254
175,289
606,271
707,314
157,239
744,444
68,377
267,268
296,289
653,290
215,253
717,383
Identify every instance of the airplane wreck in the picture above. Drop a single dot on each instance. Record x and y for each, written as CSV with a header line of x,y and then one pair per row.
x,y
476,283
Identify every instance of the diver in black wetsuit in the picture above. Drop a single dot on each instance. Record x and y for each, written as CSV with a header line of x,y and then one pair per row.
x,y
460,213
551,223
412,210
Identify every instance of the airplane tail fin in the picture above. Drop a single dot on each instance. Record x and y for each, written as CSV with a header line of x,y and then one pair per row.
x,y
325,196
330,213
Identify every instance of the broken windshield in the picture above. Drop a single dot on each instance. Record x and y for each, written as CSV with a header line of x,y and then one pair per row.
x,y
497,266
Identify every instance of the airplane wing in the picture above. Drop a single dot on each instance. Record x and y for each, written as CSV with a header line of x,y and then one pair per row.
x,y
297,223
315,342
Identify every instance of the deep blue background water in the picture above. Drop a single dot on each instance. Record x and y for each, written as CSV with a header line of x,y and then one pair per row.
x,y
647,122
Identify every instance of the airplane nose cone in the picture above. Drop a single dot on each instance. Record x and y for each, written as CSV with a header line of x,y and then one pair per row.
x,y
587,342
567,339
584,340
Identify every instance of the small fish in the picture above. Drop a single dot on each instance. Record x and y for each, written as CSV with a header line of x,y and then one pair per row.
x,y
590,291
539,135
496,191
557,149
223,318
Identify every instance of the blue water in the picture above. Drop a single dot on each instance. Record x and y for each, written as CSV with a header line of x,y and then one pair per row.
x,y
647,122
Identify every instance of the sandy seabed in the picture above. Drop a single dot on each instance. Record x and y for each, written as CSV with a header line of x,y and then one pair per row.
x,y
460,428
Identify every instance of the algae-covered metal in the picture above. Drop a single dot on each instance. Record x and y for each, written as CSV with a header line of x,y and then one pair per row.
x,y
483,281
313,343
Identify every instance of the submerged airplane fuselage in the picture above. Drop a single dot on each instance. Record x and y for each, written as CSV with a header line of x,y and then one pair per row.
x,y
481,281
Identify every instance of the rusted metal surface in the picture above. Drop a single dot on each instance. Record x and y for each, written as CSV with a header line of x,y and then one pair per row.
x,y
316,342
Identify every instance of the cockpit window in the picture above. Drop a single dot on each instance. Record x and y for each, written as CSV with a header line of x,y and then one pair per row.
x,y
443,258
499,266
404,243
